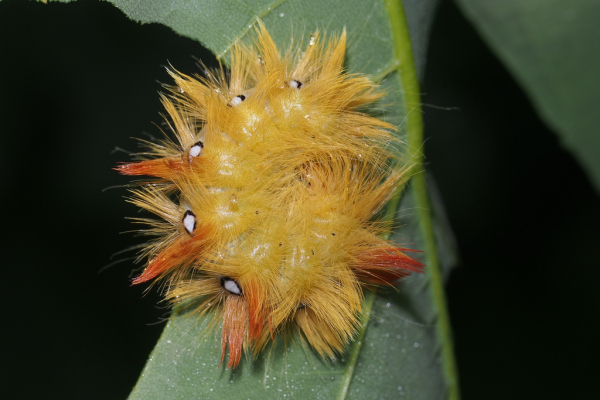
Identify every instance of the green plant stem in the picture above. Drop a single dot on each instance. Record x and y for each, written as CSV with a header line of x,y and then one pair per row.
x,y
410,85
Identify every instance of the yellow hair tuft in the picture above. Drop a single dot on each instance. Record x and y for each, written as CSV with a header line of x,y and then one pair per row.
x,y
267,195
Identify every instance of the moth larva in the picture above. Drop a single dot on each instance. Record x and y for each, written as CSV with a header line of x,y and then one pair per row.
x,y
266,197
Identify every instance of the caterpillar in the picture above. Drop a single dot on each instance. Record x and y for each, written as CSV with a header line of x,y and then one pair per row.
x,y
267,196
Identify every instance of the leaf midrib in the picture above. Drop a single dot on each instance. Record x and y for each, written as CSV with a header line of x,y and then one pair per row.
x,y
250,25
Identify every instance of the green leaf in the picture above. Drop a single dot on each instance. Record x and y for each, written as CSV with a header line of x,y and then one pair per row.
x,y
404,347
398,353
551,48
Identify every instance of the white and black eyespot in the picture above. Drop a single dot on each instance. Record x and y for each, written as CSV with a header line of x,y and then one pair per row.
x,y
296,84
301,306
189,221
231,286
196,149
237,100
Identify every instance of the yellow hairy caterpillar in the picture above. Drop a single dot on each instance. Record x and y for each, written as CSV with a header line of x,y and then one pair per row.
x,y
268,194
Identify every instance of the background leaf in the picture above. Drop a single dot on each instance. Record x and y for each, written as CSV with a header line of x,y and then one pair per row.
x,y
550,46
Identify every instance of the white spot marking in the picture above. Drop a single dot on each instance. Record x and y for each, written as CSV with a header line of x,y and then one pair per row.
x,y
196,149
189,221
296,84
231,286
237,100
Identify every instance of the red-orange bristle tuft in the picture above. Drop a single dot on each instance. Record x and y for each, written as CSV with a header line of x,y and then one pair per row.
x,y
181,252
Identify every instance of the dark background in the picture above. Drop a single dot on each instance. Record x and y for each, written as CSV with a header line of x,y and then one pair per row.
x,y
78,80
